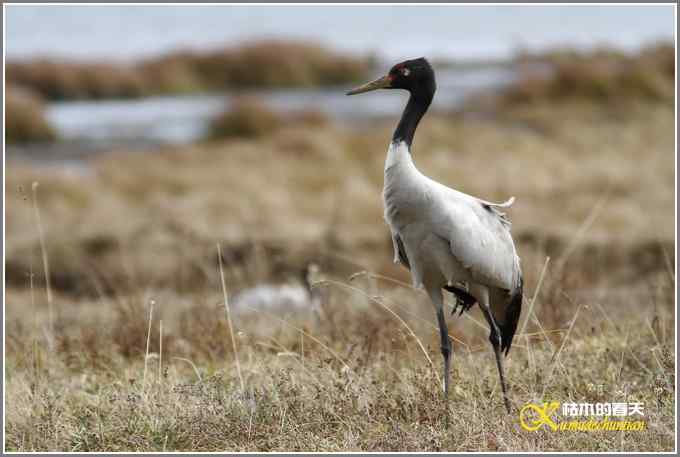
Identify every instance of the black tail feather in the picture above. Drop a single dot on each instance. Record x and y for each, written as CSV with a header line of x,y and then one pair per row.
x,y
509,326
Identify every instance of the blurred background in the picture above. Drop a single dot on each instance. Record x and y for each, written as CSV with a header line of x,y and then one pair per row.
x,y
176,69
139,137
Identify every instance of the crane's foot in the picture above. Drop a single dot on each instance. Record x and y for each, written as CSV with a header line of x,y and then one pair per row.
x,y
464,301
461,306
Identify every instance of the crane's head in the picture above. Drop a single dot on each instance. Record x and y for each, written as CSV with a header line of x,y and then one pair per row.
x,y
413,75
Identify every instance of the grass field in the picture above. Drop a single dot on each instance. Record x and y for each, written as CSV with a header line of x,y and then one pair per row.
x,y
132,349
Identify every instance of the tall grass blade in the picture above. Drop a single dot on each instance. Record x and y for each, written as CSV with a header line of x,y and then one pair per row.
x,y
231,327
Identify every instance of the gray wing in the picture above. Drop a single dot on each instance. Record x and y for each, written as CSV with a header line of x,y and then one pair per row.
x,y
479,236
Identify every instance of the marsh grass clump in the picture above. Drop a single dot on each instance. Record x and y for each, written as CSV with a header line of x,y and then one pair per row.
x,y
273,63
246,118
68,80
174,73
25,117
250,117
269,63
602,76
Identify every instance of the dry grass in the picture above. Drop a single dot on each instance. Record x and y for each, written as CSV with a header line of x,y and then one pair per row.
x,y
594,188
246,118
604,75
368,387
249,117
279,64
25,116
63,80
259,64
564,159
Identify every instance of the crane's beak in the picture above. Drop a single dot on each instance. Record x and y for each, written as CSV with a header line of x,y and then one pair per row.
x,y
381,83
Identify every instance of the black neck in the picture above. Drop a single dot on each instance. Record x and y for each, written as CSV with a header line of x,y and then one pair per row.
x,y
417,106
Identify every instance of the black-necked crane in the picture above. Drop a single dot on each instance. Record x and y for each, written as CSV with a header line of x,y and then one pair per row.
x,y
447,239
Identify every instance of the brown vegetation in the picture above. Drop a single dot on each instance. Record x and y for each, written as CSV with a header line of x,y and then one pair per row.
x,y
25,116
604,75
348,376
259,64
249,117
63,80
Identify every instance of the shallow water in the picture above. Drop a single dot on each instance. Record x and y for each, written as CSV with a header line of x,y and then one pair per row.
x,y
184,119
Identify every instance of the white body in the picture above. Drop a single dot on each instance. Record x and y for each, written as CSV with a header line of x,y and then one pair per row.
x,y
448,237
274,298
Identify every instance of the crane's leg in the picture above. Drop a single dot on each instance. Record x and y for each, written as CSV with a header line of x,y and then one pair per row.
x,y
437,301
445,347
495,339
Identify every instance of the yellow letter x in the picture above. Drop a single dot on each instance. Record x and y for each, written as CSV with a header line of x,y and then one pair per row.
x,y
544,412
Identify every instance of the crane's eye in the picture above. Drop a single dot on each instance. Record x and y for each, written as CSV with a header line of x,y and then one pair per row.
x,y
405,71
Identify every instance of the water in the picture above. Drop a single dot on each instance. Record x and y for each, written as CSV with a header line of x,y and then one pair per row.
x,y
184,119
